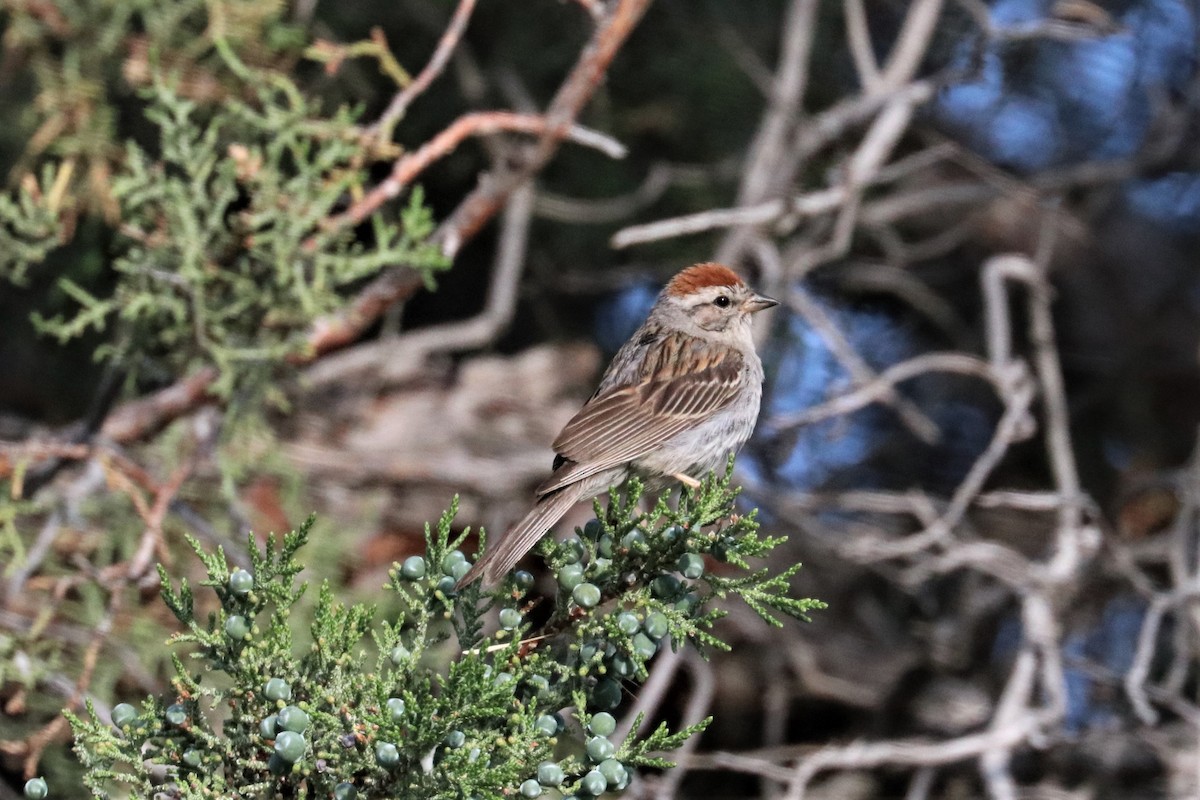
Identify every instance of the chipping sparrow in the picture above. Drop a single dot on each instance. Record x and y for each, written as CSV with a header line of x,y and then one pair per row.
x,y
678,397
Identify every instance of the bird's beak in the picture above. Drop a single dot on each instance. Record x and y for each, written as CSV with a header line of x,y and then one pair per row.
x,y
759,303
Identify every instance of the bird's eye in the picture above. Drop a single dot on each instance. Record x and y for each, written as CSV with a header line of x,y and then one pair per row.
x,y
721,302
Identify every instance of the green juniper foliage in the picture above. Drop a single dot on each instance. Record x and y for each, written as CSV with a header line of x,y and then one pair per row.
x,y
224,254
29,225
431,704
74,65
227,259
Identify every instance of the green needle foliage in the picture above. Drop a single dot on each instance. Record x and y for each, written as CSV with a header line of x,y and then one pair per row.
x,y
221,208
439,701
226,257
29,225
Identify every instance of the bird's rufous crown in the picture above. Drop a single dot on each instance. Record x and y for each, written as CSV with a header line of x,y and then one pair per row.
x,y
701,276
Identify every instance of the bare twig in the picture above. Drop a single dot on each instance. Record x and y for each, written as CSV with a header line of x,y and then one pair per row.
x,y
140,418
402,351
858,36
823,201
152,539
658,179
829,126
762,178
479,123
15,583
860,372
36,744
875,148
812,204
1011,427
908,752
912,42
891,122
1012,714
698,705
747,58
441,56
879,387
15,457
1137,677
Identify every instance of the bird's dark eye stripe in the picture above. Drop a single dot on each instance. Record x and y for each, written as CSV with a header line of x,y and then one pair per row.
x,y
721,302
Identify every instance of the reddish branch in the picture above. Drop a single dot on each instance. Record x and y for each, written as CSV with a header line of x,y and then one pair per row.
x,y
407,168
144,416
335,332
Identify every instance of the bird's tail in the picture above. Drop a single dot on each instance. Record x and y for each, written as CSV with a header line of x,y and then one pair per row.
x,y
504,554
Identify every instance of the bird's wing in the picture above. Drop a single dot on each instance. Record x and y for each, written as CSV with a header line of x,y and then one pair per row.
x,y
682,382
